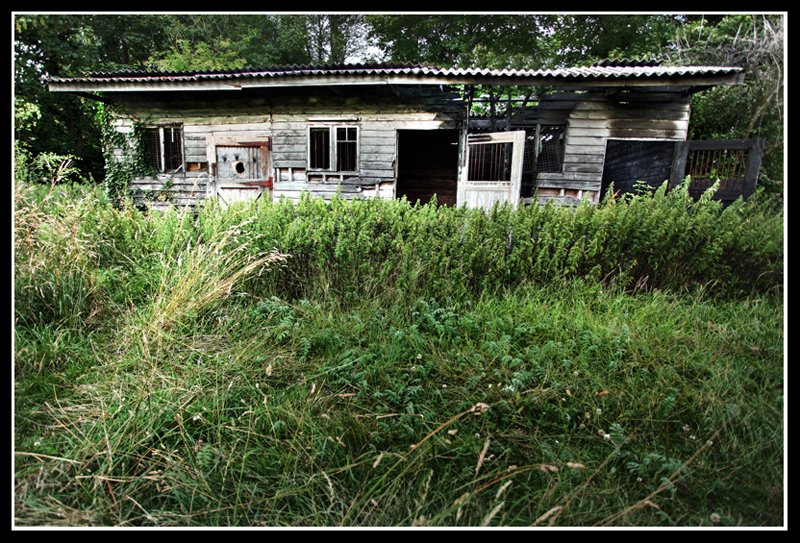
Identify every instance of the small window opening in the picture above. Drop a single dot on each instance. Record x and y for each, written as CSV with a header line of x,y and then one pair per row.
x,y
163,148
320,149
346,149
333,148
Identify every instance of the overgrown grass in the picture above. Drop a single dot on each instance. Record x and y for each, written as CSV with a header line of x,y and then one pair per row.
x,y
402,365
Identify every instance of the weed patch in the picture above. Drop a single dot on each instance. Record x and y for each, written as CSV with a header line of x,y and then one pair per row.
x,y
374,363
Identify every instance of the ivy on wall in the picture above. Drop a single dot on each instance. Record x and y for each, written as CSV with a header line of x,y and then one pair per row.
x,y
124,154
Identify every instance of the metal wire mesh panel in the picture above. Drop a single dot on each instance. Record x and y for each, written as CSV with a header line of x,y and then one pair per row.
x,y
152,147
551,149
163,148
172,149
490,161
547,153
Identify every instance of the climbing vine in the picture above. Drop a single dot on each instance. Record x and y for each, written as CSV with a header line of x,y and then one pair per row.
x,y
124,154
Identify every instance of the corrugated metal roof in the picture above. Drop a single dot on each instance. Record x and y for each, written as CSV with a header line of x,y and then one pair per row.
x,y
412,71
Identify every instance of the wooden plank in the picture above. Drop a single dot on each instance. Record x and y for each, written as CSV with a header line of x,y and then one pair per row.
x,y
598,113
289,162
583,158
753,166
311,186
718,145
569,180
602,127
583,167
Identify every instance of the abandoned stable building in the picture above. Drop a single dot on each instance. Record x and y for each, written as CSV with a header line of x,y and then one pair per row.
x,y
397,130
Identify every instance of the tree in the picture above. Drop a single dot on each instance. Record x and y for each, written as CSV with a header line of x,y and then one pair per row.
x,y
332,39
754,110
61,46
465,41
199,57
234,41
584,39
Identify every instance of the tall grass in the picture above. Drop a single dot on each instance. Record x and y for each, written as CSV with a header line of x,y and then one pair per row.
x,y
196,278
377,363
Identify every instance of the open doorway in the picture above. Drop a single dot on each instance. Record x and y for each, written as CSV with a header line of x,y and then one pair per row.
x,y
427,164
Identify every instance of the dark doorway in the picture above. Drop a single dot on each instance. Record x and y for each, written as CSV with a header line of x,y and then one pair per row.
x,y
427,164
629,161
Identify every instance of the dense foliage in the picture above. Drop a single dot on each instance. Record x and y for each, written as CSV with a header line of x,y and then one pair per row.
x,y
663,240
656,239
376,363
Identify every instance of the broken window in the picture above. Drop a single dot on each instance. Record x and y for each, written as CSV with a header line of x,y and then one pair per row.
x,y
544,149
163,148
333,148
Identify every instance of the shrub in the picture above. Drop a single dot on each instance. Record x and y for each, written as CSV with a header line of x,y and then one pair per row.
x,y
656,239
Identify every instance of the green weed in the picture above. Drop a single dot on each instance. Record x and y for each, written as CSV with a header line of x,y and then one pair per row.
x,y
398,365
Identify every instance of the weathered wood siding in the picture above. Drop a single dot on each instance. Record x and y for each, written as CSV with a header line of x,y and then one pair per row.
x,y
593,118
285,124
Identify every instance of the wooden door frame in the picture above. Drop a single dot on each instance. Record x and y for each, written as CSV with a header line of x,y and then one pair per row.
x,y
517,138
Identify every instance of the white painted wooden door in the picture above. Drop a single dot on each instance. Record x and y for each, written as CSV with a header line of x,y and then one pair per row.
x,y
493,169
241,173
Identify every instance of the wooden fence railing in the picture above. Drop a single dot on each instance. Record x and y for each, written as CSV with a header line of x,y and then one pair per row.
x,y
734,162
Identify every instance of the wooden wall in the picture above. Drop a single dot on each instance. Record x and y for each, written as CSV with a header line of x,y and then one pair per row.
x,y
592,118
285,123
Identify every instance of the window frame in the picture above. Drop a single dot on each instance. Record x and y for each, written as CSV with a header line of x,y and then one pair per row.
x,y
536,134
161,156
332,146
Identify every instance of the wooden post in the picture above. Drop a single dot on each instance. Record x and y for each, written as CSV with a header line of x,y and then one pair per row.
x,y
753,166
679,163
508,111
